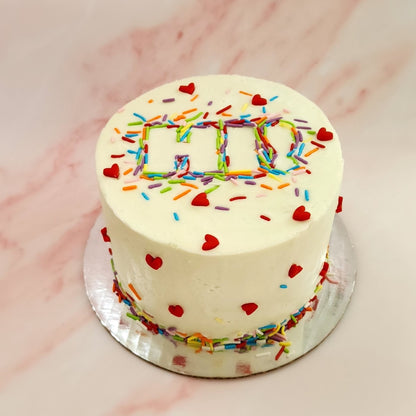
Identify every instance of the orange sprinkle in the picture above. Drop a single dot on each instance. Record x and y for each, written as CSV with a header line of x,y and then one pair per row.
x,y
294,131
133,131
146,177
129,188
116,130
239,172
191,185
262,170
194,97
299,168
134,291
266,186
245,93
119,298
126,172
311,151
261,120
189,111
180,117
153,119
182,334
150,101
226,115
181,194
283,185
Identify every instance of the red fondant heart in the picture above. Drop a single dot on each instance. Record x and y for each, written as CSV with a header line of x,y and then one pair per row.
x,y
200,200
294,270
106,237
188,89
154,262
249,308
113,172
324,135
300,214
176,310
258,100
210,242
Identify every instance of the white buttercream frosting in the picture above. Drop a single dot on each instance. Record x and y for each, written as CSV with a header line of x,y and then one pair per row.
x,y
258,239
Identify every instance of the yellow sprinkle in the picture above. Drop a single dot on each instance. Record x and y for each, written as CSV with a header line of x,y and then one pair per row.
x,y
244,107
240,172
311,151
285,343
187,127
276,178
275,331
181,194
219,320
283,185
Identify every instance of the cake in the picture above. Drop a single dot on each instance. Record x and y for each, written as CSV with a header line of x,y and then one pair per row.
x,y
218,195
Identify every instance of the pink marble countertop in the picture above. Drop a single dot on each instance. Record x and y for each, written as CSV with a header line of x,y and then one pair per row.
x,y
67,66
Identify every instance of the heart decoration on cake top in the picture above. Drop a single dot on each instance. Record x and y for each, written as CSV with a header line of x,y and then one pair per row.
x,y
294,270
187,89
210,242
176,310
154,262
200,200
113,172
324,135
249,308
300,214
258,100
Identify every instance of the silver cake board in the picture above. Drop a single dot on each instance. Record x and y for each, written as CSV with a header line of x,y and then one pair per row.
x,y
184,359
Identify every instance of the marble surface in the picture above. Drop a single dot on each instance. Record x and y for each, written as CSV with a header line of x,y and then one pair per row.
x,y
67,66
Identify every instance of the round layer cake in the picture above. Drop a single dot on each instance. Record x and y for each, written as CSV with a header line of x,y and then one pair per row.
x,y
219,194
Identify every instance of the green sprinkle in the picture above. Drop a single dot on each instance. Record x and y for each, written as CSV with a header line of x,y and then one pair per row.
x,y
168,188
265,130
288,122
112,265
256,133
311,131
218,144
212,189
135,123
188,137
176,181
221,123
286,350
194,117
130,315
260,124
178,135
178,338
158,126
141,143
219,176
292,317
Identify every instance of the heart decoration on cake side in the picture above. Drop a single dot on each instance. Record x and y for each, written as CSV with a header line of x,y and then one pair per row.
x,y
324,135
187,89
294,270
113,172
176,310
339,206
300,214
154,262
324,269
210,242
106,237
200,200
249,308
258,100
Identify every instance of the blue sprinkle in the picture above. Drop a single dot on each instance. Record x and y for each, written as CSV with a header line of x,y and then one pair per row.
x,y
140,117
293,167
306,194
131,135
264,109
189,177
245,116
301,149
132,152
171,122
185,135
245,177
229,346
291,153
273,98
127,302
283,286
146,157
176,216
145,196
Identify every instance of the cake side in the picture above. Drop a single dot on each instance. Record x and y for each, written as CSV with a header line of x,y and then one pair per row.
x,y
225,231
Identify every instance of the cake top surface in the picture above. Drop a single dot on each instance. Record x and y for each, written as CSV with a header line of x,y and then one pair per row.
x,y
219,164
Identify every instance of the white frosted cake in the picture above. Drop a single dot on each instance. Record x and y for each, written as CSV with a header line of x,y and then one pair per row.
x,y
219,194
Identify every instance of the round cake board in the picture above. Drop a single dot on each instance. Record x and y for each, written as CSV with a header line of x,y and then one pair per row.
x,y
180,358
